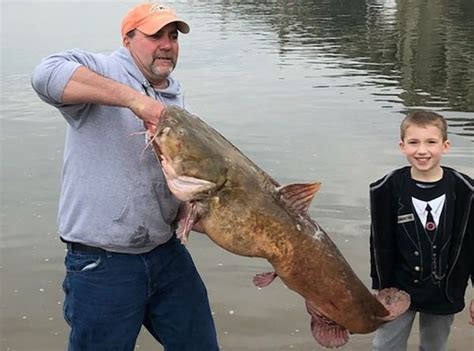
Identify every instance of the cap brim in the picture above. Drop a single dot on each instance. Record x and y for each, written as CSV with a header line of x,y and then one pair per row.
x,y
154,25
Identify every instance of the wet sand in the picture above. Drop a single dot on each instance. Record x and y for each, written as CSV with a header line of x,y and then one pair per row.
x,y
275,318
247,318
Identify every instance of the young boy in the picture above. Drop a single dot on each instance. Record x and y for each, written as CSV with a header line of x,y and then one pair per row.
x,y
422,236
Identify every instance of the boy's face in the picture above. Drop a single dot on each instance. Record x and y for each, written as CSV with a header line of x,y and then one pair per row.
x,y
423,148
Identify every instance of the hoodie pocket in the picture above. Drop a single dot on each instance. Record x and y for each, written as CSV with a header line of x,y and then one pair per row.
x,y
145,202
168,203
125,206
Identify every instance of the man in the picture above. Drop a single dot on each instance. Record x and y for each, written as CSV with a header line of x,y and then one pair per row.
x,y
124,264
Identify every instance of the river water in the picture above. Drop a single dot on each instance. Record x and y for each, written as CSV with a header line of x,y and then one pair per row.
x,y
309,90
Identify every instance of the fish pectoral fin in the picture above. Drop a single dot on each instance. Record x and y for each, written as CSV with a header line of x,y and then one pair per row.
x,y
300,195
187,217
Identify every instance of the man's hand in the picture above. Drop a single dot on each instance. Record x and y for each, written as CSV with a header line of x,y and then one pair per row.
x,y
471,311
147,109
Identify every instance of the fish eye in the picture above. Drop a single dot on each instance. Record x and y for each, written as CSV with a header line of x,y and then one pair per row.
x,y
182,132
164,131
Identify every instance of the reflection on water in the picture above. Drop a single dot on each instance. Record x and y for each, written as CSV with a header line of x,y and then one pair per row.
x,y
310,90
416,53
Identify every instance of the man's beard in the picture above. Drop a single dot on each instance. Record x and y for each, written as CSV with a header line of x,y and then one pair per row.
x,y
162,72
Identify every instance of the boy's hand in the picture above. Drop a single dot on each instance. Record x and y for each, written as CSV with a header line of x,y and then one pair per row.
x,y
471,311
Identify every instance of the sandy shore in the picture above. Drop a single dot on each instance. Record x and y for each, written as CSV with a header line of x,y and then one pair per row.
x,y
274,318
247,318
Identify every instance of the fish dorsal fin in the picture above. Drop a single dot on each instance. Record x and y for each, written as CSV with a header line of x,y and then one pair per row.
x,y
300,195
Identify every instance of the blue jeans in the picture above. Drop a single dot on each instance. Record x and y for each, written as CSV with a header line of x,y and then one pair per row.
x,y
109,296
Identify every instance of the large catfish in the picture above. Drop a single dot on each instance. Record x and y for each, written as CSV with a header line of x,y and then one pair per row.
x,y
245,211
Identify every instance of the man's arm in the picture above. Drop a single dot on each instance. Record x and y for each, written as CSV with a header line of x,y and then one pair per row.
x,y
73,79
88,87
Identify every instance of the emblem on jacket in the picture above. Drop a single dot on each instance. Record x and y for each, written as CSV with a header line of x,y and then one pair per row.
x,y
406,218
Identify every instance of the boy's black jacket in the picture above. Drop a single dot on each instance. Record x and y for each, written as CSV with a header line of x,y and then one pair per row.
x,y
384,196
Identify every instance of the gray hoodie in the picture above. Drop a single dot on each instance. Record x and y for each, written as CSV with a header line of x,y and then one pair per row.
x,y
113,192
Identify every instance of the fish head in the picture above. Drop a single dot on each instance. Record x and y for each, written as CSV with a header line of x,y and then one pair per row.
x,y
193,166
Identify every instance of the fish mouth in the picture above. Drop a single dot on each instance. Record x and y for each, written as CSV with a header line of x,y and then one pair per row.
x,y
155,140
156,146
159,152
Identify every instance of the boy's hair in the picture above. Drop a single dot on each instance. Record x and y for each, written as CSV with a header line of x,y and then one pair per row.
x,y
423,119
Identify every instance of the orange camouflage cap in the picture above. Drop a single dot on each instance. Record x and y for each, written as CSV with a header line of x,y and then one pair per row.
x,y
149,18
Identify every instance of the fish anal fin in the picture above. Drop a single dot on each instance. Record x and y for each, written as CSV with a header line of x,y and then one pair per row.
x,y
325,331
263,279
300,195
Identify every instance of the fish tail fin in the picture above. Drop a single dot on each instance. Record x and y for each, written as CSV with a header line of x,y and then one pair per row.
x,y
395,301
